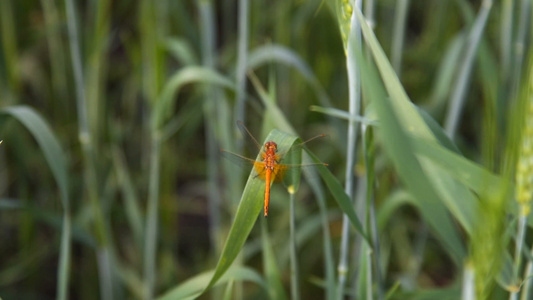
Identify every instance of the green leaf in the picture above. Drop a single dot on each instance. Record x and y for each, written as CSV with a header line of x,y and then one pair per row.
x,y
336,189
397,143
48,143
455,196
56,161
187,75
249,207
194,287
465,171
269,53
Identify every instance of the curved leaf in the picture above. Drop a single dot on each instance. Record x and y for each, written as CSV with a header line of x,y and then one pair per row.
x,y
249,207
193,287
187,75
56,161
398,146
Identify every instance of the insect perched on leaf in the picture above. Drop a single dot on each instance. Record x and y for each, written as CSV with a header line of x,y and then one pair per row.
x,y
269,166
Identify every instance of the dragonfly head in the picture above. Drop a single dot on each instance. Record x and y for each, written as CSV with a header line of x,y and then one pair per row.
x,y
271,146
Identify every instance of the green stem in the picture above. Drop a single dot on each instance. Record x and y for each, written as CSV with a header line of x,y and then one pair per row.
x,y
207,19
527,287
457,98
150,245
86,141
242,56
506,35
64,258
354,87
520,236
398,35
295,279
9,45
520,46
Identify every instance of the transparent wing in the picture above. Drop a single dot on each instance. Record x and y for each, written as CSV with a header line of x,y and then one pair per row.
x,y
244,162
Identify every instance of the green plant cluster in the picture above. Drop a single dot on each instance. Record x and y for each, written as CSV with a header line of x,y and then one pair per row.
x,y
114,113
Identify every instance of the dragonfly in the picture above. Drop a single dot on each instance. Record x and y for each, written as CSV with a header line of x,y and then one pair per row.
x,y
269,167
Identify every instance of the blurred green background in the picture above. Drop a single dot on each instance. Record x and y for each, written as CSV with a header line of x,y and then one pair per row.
x,y
113,114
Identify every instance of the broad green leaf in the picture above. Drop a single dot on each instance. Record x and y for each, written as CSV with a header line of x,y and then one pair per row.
x,y
393,202
269,53
56,161
182,50
452,194
194,287
456,197
398,146
52,151
336,189
465,171
249,207
342,114
438,132
448,293
187,75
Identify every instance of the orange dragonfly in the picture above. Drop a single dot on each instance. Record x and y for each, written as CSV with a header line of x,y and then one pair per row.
x,y
269,168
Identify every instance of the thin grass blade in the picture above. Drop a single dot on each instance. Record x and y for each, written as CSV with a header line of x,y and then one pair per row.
x,y
55,158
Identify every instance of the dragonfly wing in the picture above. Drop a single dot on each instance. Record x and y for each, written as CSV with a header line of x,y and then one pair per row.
x,y
251,143
245,162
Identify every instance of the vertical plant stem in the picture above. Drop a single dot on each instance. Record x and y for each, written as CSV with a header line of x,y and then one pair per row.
x,y
207,25
528,279
354,87
85,138
96,69
150,246
369,13
59,85
64,257
104,275
242,56
457,97
295,278
9,45
524,23
520,236
152,72
240,79
374,253
329,262
368,253
506,35
524,170
56,50
399,34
